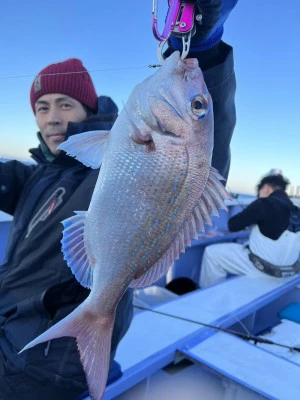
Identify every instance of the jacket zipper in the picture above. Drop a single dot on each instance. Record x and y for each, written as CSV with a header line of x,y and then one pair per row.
x,y
46,351
24,236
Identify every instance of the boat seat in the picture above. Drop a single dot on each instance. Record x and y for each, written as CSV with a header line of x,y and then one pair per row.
x,y
252,367
153,339
291,312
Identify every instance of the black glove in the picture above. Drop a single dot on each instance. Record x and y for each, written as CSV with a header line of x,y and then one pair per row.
x,y
207,14
210,16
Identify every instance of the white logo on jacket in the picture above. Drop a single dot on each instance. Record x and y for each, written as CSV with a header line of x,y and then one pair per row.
x,y
47,209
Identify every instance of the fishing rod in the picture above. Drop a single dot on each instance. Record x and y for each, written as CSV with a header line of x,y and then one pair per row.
x,y
245,336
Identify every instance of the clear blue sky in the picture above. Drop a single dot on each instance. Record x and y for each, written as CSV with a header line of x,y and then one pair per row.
x,y
115,42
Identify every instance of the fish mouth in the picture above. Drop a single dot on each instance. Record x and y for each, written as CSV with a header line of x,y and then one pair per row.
x,y
191,64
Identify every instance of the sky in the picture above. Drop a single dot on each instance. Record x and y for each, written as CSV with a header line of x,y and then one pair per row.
x,y
115,42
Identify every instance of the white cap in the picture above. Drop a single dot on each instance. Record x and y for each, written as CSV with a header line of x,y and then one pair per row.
x,y
275,171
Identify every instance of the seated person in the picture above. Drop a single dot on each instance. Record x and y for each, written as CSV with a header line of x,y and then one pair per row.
x,y
273,249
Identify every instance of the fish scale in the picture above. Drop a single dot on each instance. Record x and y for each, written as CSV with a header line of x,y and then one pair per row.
x,y
155,191
142,203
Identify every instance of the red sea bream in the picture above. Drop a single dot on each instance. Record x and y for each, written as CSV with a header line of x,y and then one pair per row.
x,y
155,191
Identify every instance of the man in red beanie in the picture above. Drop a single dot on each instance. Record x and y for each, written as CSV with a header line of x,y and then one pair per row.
x,y
37,289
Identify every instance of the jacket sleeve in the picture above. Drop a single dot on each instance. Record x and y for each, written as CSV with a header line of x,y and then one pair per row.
x,y
219,77
13,176
250,216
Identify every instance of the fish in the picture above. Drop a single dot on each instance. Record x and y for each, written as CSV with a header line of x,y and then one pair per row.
x,y
155,192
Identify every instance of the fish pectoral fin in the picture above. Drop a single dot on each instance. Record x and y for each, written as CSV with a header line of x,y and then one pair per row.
x,y
88,147
74,250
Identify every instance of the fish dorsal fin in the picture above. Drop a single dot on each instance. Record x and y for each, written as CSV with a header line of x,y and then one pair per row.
x,y
211,200
87,147
74,250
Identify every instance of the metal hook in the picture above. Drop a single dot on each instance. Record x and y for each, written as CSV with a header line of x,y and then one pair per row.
x,y
186,41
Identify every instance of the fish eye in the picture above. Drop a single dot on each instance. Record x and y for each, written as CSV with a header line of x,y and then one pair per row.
x,y
199,106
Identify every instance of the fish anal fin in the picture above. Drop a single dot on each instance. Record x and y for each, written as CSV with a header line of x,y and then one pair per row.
x,y
88,147
160,268
152,275
74,250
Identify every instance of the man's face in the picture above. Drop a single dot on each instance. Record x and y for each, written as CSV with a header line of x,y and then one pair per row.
x,y
53,113
265,191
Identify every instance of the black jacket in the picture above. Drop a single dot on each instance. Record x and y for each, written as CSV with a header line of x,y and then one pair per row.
x,y
271,214
37,288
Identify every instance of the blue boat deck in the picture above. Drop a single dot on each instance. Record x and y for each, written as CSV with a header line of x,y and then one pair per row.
x,y
260,371
155,340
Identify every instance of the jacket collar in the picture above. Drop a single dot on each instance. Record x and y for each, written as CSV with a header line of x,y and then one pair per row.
x,y
42,154
281,195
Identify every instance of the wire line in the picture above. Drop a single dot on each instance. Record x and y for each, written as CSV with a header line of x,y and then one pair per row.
x,y
79,72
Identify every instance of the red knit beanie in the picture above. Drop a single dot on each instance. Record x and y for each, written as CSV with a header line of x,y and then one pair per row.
x,y
68,77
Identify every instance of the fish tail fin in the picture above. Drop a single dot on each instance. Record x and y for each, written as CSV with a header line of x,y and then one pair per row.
x,y
68,326
93,335
94,345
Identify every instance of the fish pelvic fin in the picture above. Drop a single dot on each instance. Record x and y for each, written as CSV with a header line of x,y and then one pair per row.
x,y
93,335
88,147
74,250
210,201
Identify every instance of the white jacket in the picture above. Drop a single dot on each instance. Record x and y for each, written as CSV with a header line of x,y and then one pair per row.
x,y
284,251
